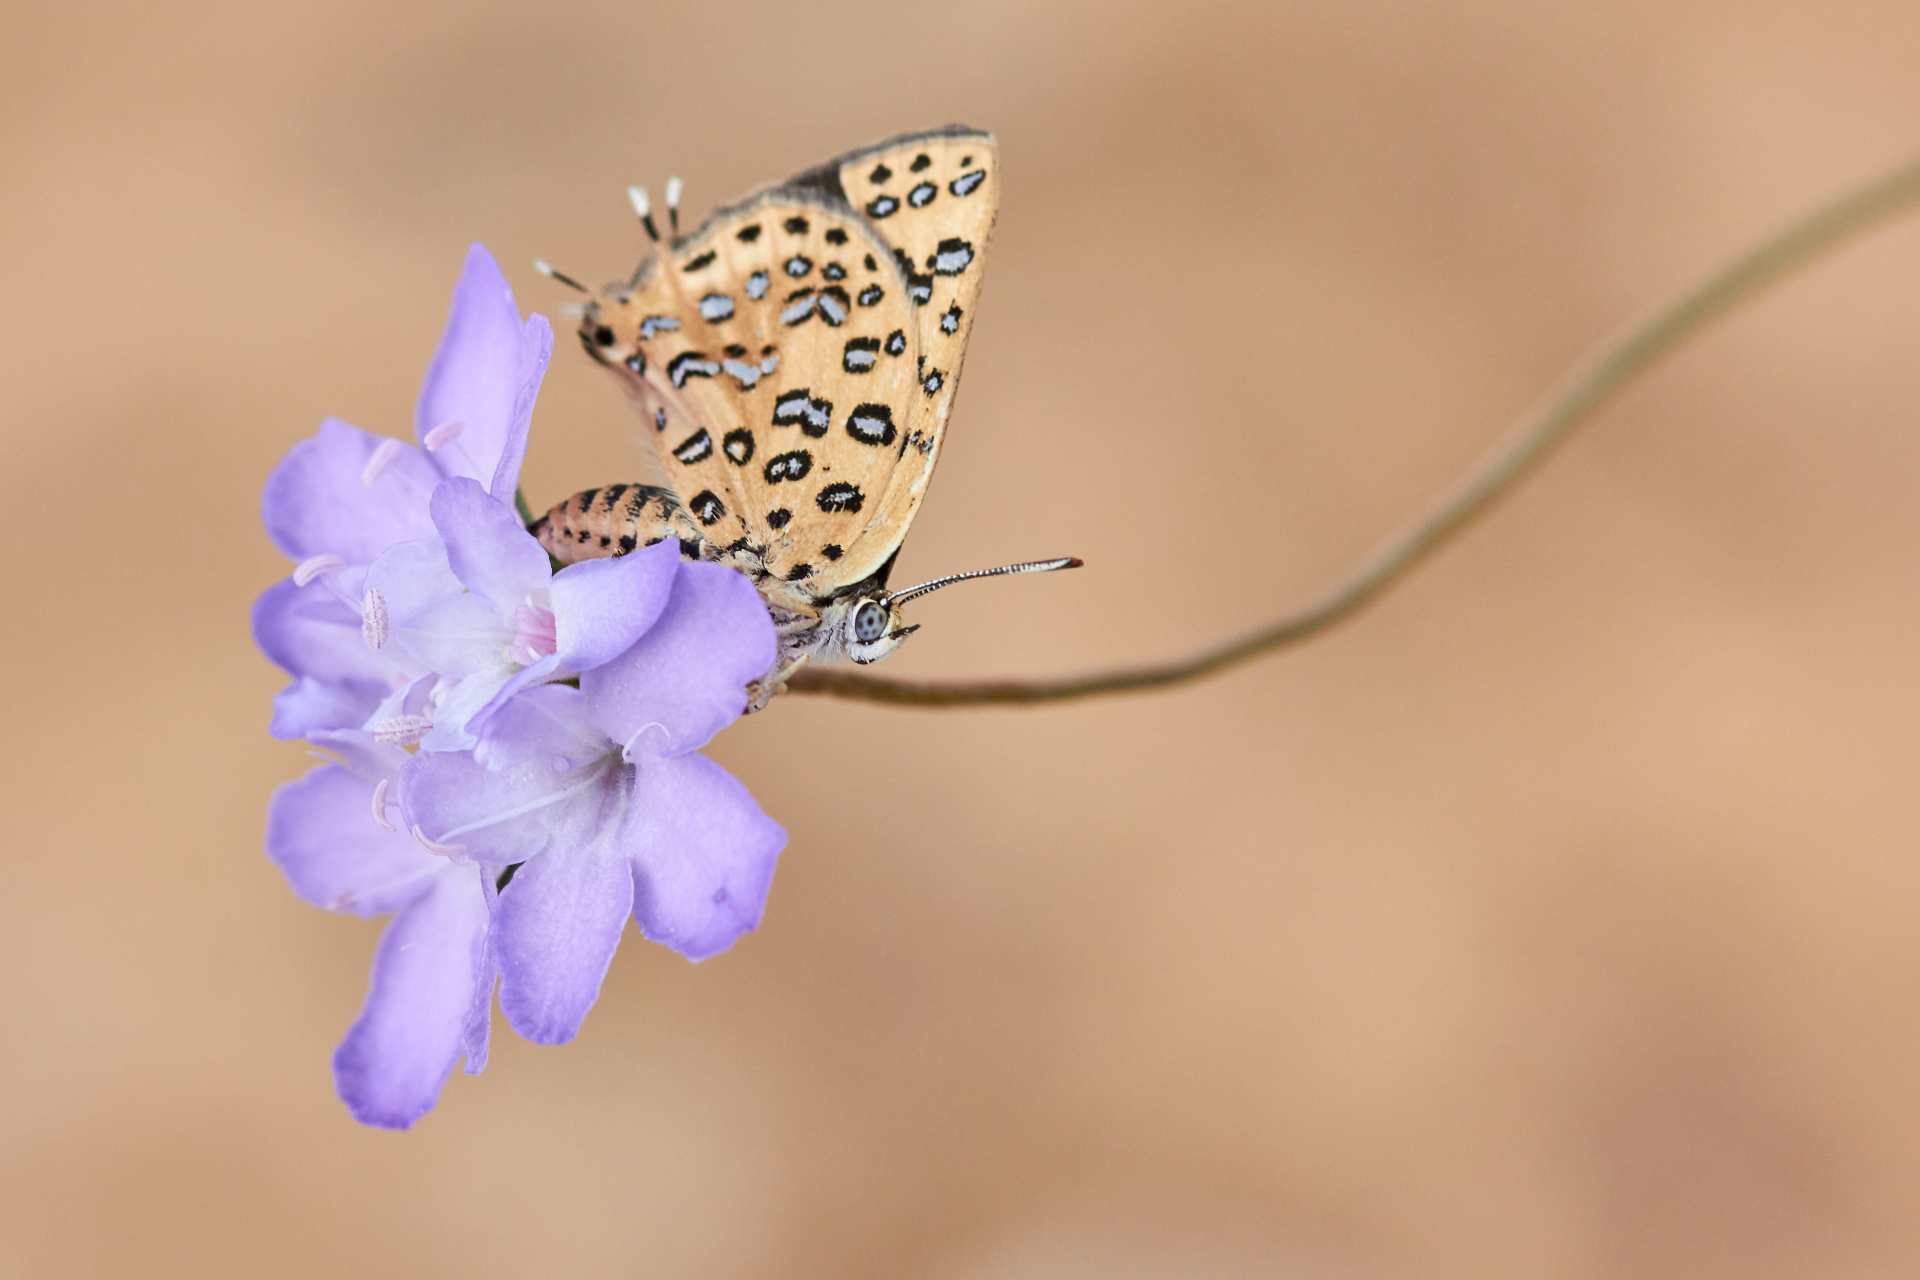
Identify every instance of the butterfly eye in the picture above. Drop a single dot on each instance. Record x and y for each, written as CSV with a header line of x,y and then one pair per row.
x,y
869,622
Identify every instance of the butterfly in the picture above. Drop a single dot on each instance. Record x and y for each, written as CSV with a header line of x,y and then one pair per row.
x,y
794,360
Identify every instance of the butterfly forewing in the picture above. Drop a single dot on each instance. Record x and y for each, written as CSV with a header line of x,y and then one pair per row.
x,y
795,356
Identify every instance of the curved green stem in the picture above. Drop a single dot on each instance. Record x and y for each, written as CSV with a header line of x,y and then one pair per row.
x,y
1590,385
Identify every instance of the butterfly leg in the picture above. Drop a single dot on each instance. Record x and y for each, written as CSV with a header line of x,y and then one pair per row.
x,y
774,683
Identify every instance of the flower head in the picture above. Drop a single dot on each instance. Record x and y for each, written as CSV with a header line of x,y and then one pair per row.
x,y
518,750
476,614
342,497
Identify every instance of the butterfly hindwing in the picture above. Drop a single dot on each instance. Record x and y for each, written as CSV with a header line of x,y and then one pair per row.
x,y
762,353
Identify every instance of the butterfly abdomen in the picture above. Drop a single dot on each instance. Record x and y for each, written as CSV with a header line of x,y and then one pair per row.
x,y
614,520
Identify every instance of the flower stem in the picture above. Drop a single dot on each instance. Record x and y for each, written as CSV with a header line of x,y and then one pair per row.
x,y
1605,371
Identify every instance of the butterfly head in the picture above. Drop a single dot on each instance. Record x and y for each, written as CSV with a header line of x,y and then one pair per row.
x,y
870,626
872,629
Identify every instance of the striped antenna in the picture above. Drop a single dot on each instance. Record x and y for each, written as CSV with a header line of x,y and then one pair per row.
x,y
1025,566
643,209
674,186
548,270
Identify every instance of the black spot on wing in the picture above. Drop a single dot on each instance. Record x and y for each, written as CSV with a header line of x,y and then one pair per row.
x,y
801,304
919,285
796,224
700,262
951,257
840,496
833,305
738,445
695,448
778,517
800,408
707,507
860,355
966,183
922,196
748,234
882,207
792,465
691,364
836,235
871,424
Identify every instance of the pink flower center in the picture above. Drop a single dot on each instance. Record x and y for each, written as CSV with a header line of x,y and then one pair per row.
x,y
534,636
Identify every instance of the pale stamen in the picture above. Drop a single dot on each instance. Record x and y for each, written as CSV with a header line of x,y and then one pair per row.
x,y
373,619
443,435
402,731
382,455
652,729
380,805
434,846
313,566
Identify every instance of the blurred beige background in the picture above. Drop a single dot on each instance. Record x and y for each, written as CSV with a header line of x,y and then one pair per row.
x,y
1556,917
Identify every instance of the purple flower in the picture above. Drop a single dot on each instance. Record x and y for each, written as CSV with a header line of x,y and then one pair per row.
x,y
601,793
432,990
341,498
536,733
478,614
